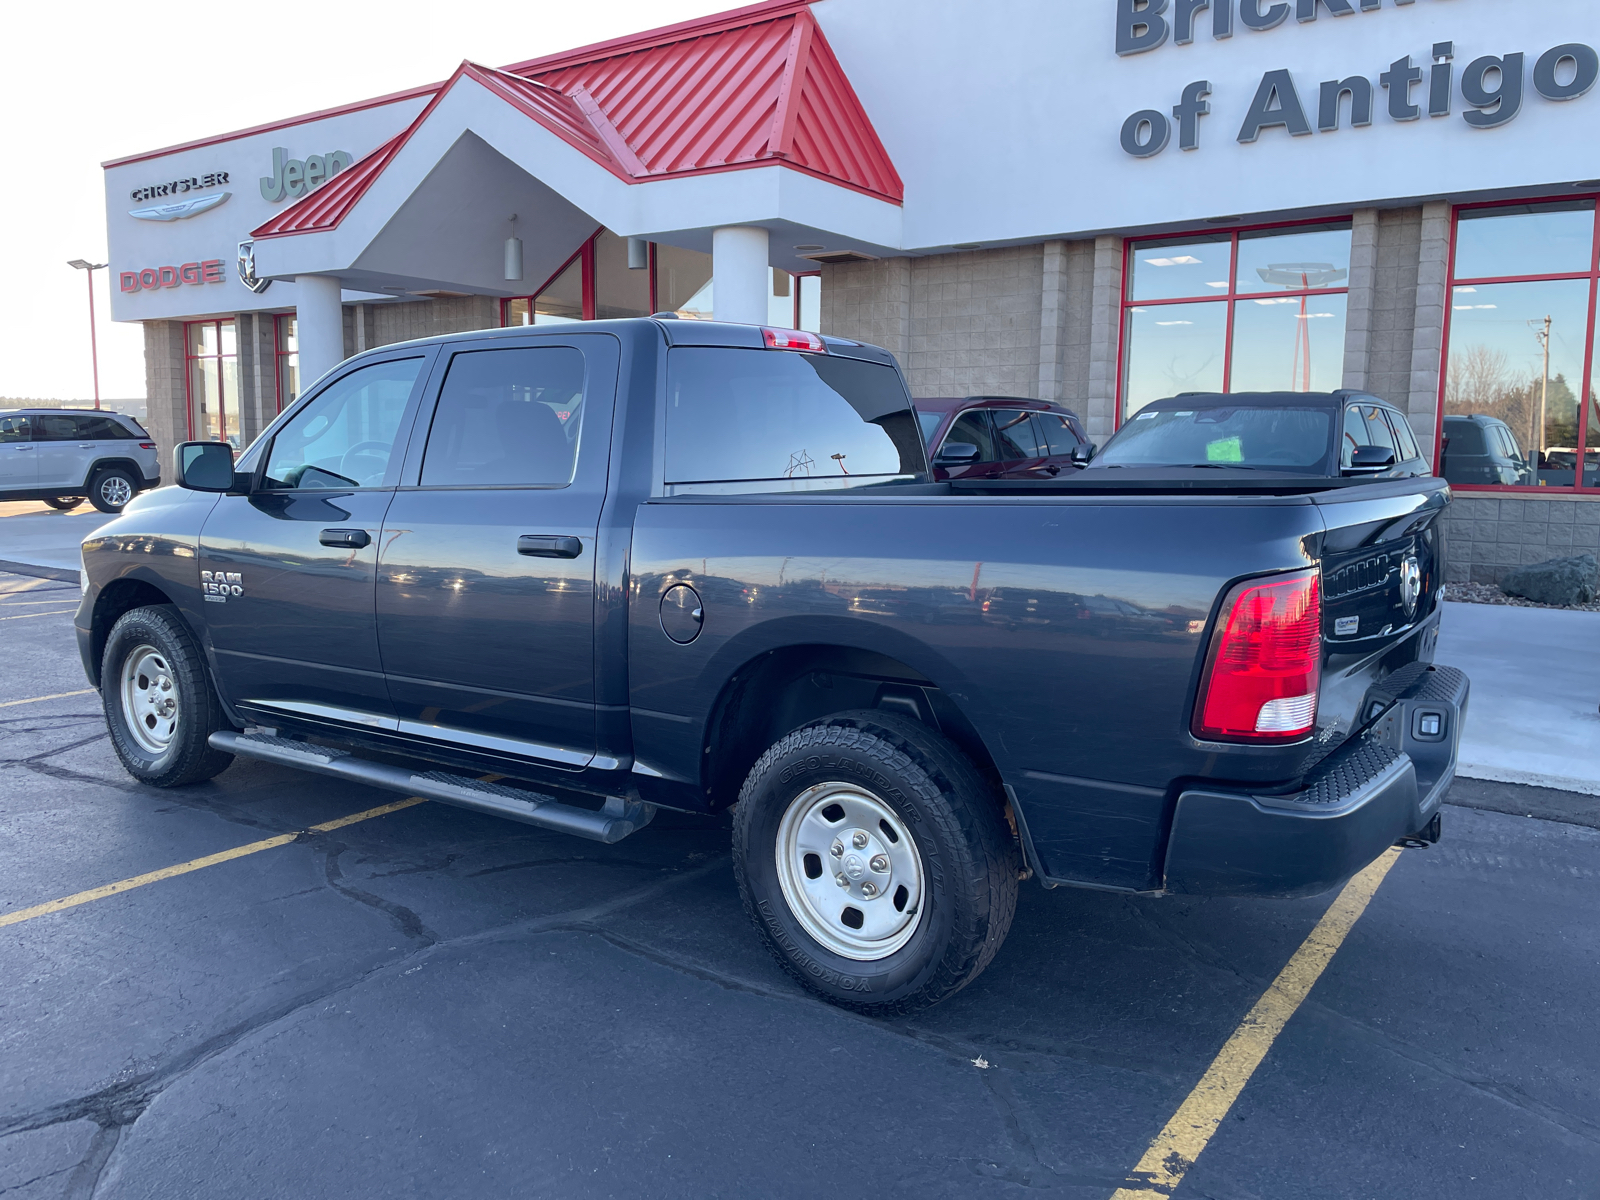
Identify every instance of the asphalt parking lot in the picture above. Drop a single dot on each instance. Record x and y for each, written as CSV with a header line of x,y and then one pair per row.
x,y
434,1003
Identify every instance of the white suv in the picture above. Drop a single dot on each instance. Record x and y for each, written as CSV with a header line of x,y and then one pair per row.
x,y
64,455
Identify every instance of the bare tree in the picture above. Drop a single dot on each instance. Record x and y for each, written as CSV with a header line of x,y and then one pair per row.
x,y
1478,380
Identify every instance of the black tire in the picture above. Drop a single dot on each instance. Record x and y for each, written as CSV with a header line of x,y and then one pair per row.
x,y
64,503
969,859
186,756
112,488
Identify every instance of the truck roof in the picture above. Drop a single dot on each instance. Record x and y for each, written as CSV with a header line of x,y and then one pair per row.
x,y
675,330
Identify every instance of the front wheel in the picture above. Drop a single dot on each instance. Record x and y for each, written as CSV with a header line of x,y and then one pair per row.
x,y
160,706
875,862
111,490
63,503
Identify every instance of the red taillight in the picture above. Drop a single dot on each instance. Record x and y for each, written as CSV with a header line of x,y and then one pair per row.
x,y
794,339
1261,680
147,445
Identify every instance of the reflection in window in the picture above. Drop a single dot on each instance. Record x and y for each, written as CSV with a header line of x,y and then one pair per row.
x,y
785,422
1288,344
1300,259
1282,289
1516,354
1173,348
1525,239
1179,269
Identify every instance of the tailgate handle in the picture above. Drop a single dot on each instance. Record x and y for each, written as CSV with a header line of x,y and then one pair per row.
x,y
348,539
545,545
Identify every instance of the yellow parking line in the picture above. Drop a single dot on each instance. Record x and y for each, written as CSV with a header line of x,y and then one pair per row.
x,y
51,696
25,616
1178,1145
196,864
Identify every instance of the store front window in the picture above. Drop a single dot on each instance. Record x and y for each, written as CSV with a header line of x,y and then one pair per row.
x,y
1519,392
213,381
1246,311
288,349
600,281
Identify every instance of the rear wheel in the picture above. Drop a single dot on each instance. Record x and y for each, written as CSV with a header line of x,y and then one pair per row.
x,y
111,489
874,861
64,503
160,705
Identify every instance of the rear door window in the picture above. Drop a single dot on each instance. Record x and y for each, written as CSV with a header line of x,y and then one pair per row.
x,y
102,429
507,418
1019,437
55,428
1402,437
1057,433
777,421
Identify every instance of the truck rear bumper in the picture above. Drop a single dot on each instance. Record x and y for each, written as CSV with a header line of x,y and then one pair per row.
x,y
1386,785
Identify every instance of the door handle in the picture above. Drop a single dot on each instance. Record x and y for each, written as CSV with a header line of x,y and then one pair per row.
x,y
545,545
21,448
85,445
348,539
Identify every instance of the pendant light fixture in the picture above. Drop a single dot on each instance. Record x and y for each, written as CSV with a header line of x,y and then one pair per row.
x,y
513,253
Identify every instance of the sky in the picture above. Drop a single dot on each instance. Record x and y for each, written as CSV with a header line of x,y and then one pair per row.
x,y
85,82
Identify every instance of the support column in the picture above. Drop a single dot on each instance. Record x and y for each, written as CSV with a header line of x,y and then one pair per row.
x,y
319,324
1105,338
1362,300
1427,339
740,274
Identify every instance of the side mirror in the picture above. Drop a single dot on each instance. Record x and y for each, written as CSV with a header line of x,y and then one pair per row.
x,y
1370,460
1083,455
203,466
956,454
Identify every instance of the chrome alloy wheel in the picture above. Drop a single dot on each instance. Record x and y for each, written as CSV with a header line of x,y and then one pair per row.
x,y
116,491
149,699
850,871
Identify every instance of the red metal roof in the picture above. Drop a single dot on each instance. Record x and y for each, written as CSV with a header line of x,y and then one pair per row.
x,y
753,87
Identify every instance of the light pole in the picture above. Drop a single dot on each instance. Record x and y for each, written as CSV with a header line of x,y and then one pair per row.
x,y
1541,331
89,268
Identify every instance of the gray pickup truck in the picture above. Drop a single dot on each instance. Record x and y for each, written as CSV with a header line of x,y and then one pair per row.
x,y
569,575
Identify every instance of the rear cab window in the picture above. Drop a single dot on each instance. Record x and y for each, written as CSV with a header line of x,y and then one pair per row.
x,y
749,421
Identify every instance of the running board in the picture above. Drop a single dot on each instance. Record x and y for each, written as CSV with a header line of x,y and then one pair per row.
x,y
615,821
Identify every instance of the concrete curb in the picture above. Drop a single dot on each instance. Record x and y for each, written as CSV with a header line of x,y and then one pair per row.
x,y
1520,800
1560,783
38,572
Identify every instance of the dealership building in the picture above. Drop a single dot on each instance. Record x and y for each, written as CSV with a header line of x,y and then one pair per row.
x,y
1098,203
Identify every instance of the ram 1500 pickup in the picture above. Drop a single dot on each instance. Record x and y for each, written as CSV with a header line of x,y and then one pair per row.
x,y
571,574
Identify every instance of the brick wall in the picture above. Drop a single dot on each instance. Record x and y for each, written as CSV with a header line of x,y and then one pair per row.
x,y
960,324
1488,535
392,323
164,366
